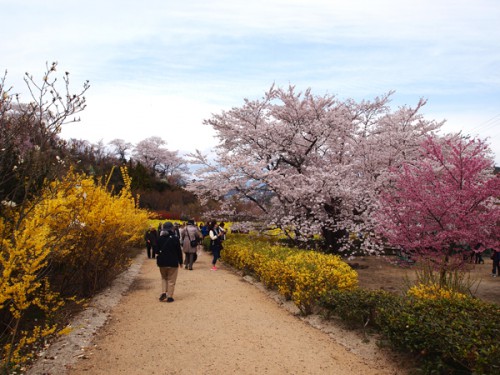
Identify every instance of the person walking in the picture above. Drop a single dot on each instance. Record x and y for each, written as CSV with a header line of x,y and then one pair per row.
x,y
190,238
478,254
222,228
204,229
151,238
216,236
169,260
495,257
177,230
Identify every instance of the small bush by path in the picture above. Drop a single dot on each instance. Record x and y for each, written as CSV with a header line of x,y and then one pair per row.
x,y
71,242
302,276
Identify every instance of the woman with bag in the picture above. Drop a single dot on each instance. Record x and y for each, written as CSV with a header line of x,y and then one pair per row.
x,y
216,236
190,238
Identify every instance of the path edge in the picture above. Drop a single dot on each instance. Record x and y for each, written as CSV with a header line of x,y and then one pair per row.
x,y
66,350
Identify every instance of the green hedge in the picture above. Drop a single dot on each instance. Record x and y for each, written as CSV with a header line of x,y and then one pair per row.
x,y
449,336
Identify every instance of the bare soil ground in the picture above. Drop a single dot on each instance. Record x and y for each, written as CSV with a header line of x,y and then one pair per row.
x,y
222,323
382,273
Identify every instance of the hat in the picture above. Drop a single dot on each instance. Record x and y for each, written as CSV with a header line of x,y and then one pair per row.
x,y
168,226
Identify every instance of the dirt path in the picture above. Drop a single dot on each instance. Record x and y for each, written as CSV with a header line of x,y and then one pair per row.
x,y
220,323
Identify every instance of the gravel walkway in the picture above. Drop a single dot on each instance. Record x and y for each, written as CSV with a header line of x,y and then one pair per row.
x,y
220,323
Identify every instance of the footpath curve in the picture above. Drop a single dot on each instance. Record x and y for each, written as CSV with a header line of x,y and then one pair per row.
x,y
220,323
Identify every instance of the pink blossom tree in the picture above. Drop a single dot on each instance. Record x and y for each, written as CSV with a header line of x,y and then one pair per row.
x,y
311,164
444,200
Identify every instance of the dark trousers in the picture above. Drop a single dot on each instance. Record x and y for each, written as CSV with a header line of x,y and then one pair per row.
x,y
496,266
150,250
189,260
216,254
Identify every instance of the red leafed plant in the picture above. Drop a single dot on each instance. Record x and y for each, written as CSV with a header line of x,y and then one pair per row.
x,y
446,201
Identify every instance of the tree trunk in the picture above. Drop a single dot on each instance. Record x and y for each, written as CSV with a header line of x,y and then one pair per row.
x,y
334,239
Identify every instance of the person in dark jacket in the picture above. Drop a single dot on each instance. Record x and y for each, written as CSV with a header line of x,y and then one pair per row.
x,y
495,257
169,259
478,253
151,238
215,242
177,230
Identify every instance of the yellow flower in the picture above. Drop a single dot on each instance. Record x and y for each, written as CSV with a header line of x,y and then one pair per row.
x,y
433,292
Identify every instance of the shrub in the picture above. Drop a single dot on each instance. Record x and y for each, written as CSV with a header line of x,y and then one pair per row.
x,y
449,333
434,292
93,230
24,290
163,215
303,276
456,333
75,237
357,307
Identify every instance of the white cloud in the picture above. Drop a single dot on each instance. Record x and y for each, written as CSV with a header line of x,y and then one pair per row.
x,y
132,116
183,60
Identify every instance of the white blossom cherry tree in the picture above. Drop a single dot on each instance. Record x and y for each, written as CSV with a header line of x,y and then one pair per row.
x,y
120,148
312,164
152,153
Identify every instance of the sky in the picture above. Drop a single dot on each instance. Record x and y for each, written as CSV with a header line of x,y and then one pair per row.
x,y
161,67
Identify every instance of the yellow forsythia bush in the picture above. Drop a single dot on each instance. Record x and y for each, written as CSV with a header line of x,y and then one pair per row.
x,y
302,276
94,230
23,288
434,292
315,274
74,238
